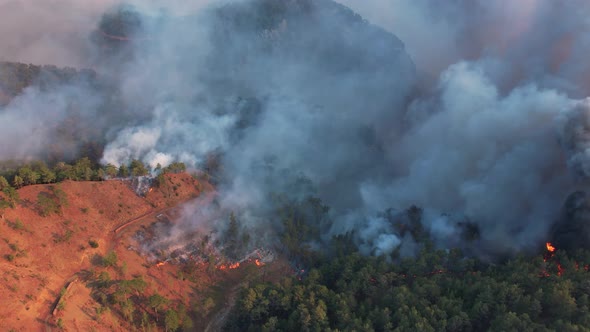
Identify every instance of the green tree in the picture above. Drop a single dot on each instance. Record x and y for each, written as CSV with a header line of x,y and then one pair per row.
x,y
28,175
123,171
160,181
110,259
46,175
83,169
127,309
3,183
11,195
64,171
60,196
138,168
176,167
60,323
171,321
101,175
18,182
136,285
188,324
156,302
47,204
111,171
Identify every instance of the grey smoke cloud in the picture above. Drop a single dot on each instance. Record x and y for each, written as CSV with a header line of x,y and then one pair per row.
x,y
39,121
48,32
58,32
575,137
497,136
543,41
482,145
496,159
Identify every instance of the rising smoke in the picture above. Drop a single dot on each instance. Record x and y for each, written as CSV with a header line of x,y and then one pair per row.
x,y
476,116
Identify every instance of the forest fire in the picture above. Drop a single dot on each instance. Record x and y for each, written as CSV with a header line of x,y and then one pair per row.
x,y
550,251
236,265
160,264
224,267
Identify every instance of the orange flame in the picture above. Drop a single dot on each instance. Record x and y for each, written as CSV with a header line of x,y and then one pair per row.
x,y
550,247
229,266
160,264
236,265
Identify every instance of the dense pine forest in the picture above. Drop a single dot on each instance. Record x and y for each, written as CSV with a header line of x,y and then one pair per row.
x,y
437,291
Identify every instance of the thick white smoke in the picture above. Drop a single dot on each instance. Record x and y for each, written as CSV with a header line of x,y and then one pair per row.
x,y
169,137
496,159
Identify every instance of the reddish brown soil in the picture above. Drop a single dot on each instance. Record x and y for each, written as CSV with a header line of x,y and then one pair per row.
x,y
37,260
44,260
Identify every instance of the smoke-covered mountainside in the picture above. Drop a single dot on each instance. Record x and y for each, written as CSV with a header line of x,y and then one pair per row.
x,y
280,93
15,77
419,133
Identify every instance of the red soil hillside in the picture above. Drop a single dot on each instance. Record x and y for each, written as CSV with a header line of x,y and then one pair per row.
x,y
40,254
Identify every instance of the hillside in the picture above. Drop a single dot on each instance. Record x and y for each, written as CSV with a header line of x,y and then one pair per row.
x,y
428,174
40,255
15,77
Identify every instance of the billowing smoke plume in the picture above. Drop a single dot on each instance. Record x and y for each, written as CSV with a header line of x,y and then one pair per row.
x,y
540,41
475,115
48,32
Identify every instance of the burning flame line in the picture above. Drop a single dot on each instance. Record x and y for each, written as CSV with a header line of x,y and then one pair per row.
x,y
236,265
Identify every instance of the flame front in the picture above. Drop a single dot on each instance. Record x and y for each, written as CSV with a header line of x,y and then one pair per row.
x,y
236,265
229,267
160,264
550,247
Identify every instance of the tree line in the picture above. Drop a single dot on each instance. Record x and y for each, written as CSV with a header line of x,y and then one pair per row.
x,y
83,169
14,77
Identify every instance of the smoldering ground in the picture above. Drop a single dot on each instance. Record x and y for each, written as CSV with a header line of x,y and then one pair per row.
x,y
480,127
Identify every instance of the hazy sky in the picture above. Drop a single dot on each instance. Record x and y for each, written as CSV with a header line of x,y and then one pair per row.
x,y
57,31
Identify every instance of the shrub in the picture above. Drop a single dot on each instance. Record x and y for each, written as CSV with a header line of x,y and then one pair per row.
x,y
110,259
